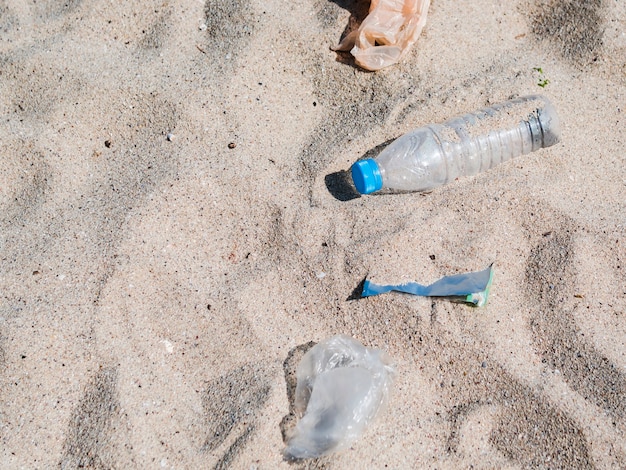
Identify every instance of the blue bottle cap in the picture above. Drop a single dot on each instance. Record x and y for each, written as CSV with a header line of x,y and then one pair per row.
x,y
366,176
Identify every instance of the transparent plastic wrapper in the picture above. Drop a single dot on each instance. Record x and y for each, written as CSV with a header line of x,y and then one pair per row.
x,y
387,33
434,155
342,385
471,288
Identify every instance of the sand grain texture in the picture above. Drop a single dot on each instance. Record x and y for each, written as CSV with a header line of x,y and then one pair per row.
x,y
156,293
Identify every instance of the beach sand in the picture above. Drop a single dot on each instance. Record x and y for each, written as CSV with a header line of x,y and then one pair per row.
x,y
176,231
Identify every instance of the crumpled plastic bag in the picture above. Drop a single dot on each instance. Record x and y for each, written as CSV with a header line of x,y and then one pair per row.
x,y
387,33
342,385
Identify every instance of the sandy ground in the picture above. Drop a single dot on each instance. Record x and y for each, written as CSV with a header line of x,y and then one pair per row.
x,y
156,294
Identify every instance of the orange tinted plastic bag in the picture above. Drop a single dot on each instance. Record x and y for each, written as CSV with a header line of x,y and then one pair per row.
x,y
387,33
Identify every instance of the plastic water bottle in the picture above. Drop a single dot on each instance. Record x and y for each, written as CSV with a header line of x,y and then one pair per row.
x,y
436,154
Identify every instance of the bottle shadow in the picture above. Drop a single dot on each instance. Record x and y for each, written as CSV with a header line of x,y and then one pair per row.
x,y
340,186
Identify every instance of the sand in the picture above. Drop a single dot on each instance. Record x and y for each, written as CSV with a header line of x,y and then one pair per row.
x,y
157,293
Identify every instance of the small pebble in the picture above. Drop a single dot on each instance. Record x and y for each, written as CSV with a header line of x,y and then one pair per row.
x,y
170,137
232,145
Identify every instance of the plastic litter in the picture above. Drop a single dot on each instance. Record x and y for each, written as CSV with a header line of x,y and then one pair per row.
x,y
342,385
387,33
472,288
436,154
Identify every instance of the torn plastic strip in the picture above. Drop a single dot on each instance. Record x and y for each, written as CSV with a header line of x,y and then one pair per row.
x,y
472,288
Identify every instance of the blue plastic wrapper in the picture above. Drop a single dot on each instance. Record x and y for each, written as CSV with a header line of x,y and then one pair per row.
x,y
471,288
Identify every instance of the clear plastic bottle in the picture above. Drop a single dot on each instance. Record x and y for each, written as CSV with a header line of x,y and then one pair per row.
x,y
436,154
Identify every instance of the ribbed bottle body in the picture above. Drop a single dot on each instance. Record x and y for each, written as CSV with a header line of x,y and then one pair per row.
x,y
467,145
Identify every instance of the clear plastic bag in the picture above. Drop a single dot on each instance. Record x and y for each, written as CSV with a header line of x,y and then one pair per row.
x,y
342,385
